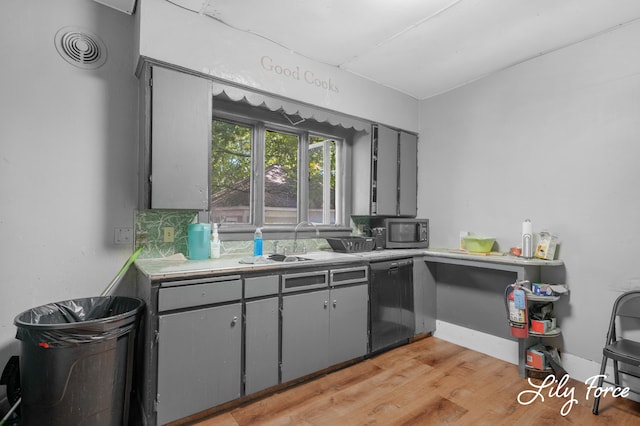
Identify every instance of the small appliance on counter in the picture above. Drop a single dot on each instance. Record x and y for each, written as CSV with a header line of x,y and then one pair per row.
x,y
395,232
379,234
406,233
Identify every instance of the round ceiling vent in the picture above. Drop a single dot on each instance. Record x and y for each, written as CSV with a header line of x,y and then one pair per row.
x,y
80,47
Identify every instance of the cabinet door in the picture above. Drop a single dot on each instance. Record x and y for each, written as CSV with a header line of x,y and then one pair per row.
x,y
261,344
305,333
408,175
361,179
348,336
387,172
181,135
199,357
424,295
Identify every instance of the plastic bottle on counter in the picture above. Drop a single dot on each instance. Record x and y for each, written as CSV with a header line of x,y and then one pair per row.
x,y
257,242
215,243
527,239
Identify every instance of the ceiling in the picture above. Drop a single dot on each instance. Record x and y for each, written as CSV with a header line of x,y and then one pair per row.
x,y
420,47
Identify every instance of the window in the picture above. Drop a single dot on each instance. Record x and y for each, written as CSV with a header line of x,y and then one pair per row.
x,y
280,177
266,173
231,172
322,180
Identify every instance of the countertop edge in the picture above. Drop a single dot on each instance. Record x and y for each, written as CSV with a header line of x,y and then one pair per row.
x,y
164,269
503,259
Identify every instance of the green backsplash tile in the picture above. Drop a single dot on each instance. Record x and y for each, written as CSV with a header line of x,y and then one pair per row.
x,y
149,231
245,248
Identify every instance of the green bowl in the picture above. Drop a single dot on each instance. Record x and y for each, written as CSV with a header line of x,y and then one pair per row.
x,y
478,244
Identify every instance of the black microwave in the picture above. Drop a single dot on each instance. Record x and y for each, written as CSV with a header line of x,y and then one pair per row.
x,y
407,233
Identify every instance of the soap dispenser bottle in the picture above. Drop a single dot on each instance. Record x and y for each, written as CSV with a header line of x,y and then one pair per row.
x,y
215,242
257,242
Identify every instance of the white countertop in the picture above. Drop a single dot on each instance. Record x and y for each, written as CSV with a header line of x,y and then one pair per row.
x,y
181,267
164,268
490,258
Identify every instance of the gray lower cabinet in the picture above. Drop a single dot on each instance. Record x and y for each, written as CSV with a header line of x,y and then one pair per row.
x,y
214,339
424,295
305,334
192,351
199,354
348,320
324,327
261,333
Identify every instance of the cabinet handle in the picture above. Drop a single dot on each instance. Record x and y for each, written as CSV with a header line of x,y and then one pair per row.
x,y
234,321
326,303
335,302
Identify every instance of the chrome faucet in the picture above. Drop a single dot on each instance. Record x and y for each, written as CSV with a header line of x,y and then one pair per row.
x,y
295,234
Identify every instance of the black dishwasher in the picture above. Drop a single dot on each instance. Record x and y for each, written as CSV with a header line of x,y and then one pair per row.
x,y
391,298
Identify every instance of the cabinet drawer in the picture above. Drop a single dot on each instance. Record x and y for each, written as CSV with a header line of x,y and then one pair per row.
x,y
305,281
261,286
191,293
349,275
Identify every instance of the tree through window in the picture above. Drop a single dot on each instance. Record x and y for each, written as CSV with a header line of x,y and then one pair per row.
x,y
282,156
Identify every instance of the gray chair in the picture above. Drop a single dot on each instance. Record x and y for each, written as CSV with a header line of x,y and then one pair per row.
x,y
625,317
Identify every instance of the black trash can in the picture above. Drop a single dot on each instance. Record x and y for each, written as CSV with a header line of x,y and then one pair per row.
x,y
76,362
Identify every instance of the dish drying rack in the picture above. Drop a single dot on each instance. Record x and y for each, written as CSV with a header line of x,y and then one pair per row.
x,y
352,244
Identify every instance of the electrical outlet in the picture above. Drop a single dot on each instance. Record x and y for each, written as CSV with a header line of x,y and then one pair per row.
x,y
168,235
123,236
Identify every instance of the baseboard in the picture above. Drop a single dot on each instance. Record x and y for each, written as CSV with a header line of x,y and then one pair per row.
x,y
497,347
507,350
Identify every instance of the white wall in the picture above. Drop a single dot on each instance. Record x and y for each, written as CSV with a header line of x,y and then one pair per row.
x,y
68,157
554,139
178,36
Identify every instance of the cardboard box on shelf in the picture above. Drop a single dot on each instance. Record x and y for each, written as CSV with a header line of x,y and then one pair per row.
x,y
543,326
536,358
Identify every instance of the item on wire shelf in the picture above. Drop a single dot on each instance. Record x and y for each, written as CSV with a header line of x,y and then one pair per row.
x,y
546,248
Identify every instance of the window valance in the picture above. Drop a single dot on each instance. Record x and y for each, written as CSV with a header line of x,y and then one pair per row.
x,y
290,108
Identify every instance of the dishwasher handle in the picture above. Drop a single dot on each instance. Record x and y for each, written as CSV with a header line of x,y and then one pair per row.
x,y
390,265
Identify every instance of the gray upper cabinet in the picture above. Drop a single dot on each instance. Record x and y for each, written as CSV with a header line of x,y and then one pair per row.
x,y
180,140
408,175
385,177
385,173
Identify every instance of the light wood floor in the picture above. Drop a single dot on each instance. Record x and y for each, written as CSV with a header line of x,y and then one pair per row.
x,y
428,382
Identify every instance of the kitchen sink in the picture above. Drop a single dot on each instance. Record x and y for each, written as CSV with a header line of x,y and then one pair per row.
x,y
283,258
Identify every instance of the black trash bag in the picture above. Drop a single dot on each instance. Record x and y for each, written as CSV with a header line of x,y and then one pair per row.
x,y
76,361
78,321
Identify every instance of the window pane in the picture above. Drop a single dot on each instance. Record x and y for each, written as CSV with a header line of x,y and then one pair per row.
x,y
230,173
280,178
322,180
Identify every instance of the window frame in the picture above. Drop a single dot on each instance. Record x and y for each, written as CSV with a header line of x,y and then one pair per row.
x,y
326,183
261,121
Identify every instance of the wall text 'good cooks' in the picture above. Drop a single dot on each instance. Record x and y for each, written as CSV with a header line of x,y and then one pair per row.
x,y
296,73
